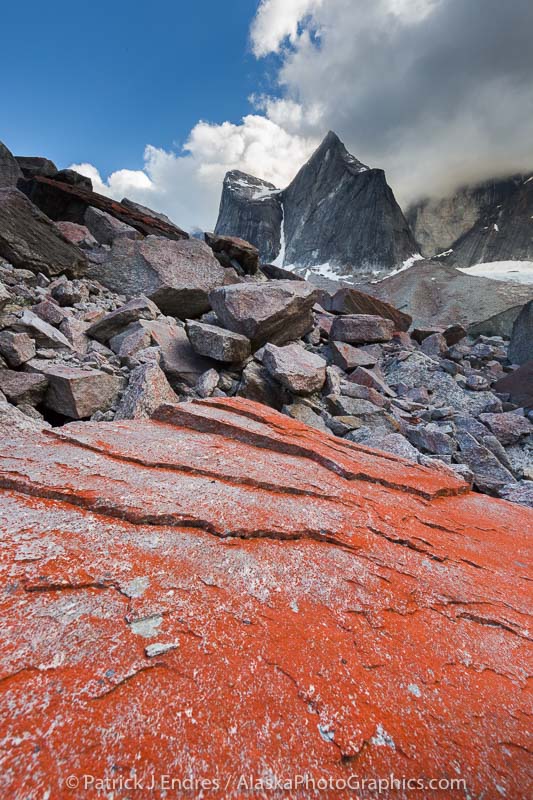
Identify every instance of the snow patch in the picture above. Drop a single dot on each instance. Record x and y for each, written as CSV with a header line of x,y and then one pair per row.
x,y
325,271
280,258
513,271
406,265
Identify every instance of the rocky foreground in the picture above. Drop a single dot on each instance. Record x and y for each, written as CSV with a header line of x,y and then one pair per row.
x,y
108,310
224,594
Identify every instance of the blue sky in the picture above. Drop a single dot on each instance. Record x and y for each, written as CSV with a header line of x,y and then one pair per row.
x,y
97,81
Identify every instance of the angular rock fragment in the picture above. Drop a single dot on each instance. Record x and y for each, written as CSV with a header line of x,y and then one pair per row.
x,y
77,393
277,311
361,328
234,252
10,171
32,166
22,387
518,385
63,201
348,357
257,384
489,472
30,240
78,235
16,348
370,378
147,389
178,360
113,323
5,297
351,301
218,343
508,428
44,334
295,368
106,228
521,344
176,275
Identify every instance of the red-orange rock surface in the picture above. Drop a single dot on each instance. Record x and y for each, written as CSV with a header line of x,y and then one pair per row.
x,y
225,592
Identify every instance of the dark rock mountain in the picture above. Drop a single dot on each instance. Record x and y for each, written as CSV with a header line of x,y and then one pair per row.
x,y
252,210
491,221
336,211
341,212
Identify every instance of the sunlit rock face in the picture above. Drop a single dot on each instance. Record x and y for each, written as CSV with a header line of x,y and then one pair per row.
x,y
222,591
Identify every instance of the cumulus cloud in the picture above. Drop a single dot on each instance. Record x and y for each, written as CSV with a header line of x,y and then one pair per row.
x,y
437,92
187,186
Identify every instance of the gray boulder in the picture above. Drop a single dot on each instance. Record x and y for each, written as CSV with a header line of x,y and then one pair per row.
x,y
348,357
257,384
176,275
106,228
30,240
295,368
277,311
489,472
218,343
147,389
508,428
44,334
22,387
361,328
77,393
16,348
31,166
111,324
521,344
5,297
10,171
179,362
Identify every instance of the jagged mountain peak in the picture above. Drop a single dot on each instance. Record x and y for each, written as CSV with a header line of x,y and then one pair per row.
x,y
332,149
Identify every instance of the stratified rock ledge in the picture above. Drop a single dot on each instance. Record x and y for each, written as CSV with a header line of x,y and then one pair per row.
x,y
224,591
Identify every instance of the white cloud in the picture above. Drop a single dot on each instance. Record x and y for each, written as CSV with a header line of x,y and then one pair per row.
x,y
437,92
187,186
277,20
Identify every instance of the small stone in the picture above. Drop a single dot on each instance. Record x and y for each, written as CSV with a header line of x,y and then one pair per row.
x,y
159,649
434,345
207,383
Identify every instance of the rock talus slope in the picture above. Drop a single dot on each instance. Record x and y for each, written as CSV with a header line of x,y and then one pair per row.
x,y
223,591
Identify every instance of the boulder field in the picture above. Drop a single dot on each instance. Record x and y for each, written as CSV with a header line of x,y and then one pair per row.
x,y
222,593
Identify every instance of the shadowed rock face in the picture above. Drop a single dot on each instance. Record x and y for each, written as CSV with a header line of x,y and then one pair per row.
x,y
339,211
224,567
487,222
336,211
251,209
